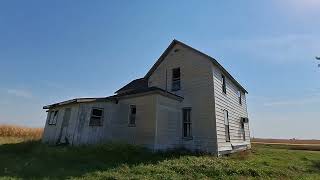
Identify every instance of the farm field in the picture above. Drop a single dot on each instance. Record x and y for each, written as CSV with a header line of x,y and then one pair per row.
x,y
293,144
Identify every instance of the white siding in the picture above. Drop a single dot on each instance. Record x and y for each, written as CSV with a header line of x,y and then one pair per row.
x,y
144,131
196,75
168,124
229,102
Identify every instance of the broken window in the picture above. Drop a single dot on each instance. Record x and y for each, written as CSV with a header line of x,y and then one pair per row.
x,y
96,117
53,116
132,115
175,79
187,124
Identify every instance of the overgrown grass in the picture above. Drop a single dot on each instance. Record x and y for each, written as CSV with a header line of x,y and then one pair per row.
x,y
33,160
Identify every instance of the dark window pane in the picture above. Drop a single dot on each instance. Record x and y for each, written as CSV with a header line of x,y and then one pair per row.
x,y
176,73
96,117
96,112
224,89
175,85
189,130
175,79
133,109
95,121
227,133
132,119
185,128
132,115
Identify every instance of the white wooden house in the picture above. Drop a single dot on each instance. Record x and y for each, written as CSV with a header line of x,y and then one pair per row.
x,y
186,100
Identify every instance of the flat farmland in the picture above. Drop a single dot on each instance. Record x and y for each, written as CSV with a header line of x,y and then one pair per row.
x,y
293,144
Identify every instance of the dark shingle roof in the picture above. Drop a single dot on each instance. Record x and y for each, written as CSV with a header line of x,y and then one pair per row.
x,y
136,84
146,90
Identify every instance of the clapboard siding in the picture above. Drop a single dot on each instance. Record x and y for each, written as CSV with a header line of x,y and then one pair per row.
x,y
144,131
114,124
229,102
196,75
168,124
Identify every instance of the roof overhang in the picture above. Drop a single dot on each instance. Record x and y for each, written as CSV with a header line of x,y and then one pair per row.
x,y
148,91
77,100
115,98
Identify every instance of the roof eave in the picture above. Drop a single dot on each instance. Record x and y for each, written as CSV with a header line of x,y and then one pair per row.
x,y
76,100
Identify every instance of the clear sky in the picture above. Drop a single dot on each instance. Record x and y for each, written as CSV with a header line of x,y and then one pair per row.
x,y
52,51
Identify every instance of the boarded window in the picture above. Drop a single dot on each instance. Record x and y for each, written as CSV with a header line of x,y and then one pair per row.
x,y
53,116
175,79
187,124
226,125
96,118
224,87
132,115
239,97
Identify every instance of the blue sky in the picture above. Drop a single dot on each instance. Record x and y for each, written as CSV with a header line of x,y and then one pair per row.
x,y
56,50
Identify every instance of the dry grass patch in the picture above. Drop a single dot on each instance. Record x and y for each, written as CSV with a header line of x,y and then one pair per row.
x,y
25,133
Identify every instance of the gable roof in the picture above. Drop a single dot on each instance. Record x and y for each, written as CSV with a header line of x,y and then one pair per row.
x,y
214,61
140,83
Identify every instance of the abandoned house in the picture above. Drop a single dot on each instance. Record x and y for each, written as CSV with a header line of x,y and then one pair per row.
x,y
186,100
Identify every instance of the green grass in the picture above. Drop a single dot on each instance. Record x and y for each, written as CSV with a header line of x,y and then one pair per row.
x,y
33,160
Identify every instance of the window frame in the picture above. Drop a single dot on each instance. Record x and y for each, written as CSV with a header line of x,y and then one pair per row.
x,y
224,84
94,116
187,132
53,117
131,115
176,80
226,125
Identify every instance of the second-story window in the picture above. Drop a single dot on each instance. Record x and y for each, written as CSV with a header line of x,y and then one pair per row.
x,y
224,87
239,97
175,79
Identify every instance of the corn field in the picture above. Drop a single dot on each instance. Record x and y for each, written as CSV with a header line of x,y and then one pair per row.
x,y
20,132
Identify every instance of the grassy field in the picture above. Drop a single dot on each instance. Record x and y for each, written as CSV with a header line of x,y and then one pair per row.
x,y
33,160
22,156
